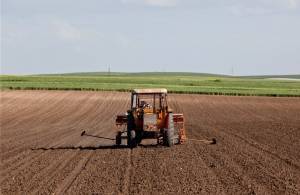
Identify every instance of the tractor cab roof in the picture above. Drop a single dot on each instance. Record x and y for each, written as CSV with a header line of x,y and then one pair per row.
x,y
149,91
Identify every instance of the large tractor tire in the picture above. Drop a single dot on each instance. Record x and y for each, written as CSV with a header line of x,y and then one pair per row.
x,y
132,141
131,134
119,138
169,132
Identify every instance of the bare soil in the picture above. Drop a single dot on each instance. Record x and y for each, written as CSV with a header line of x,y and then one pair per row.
x,y
42,152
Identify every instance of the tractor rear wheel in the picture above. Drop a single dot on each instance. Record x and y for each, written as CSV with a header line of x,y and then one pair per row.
x,y
169,132
168,139
131,134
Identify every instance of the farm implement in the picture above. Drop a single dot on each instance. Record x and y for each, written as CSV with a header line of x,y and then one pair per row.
x,y
150,117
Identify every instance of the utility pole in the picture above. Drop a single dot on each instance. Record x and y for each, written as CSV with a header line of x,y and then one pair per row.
x,y
108,72
232,71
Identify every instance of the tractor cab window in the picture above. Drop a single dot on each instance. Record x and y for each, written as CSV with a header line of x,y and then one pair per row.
x,y
157,101
145,104
163,101
145,101
153,102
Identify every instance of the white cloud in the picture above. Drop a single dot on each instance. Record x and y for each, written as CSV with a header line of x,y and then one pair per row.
x,y
154,3
122,40
261,7
244,6
243,10
162,3
66,31
293,4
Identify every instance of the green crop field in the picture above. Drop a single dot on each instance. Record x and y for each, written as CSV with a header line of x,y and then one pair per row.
x,y
174,82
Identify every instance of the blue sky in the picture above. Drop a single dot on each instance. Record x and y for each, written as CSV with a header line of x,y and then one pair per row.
x,y
246,36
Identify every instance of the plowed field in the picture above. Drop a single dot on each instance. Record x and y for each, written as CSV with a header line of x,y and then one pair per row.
x,y
42,152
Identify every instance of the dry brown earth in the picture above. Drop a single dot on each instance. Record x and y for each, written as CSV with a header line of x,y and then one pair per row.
x,y
258,149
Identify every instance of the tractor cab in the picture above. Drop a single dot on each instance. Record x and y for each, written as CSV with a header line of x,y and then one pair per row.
x,y
150,118
149,101
149,108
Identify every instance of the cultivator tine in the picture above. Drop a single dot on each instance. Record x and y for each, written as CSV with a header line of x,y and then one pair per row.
x,y
205,141
83,133
214,141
